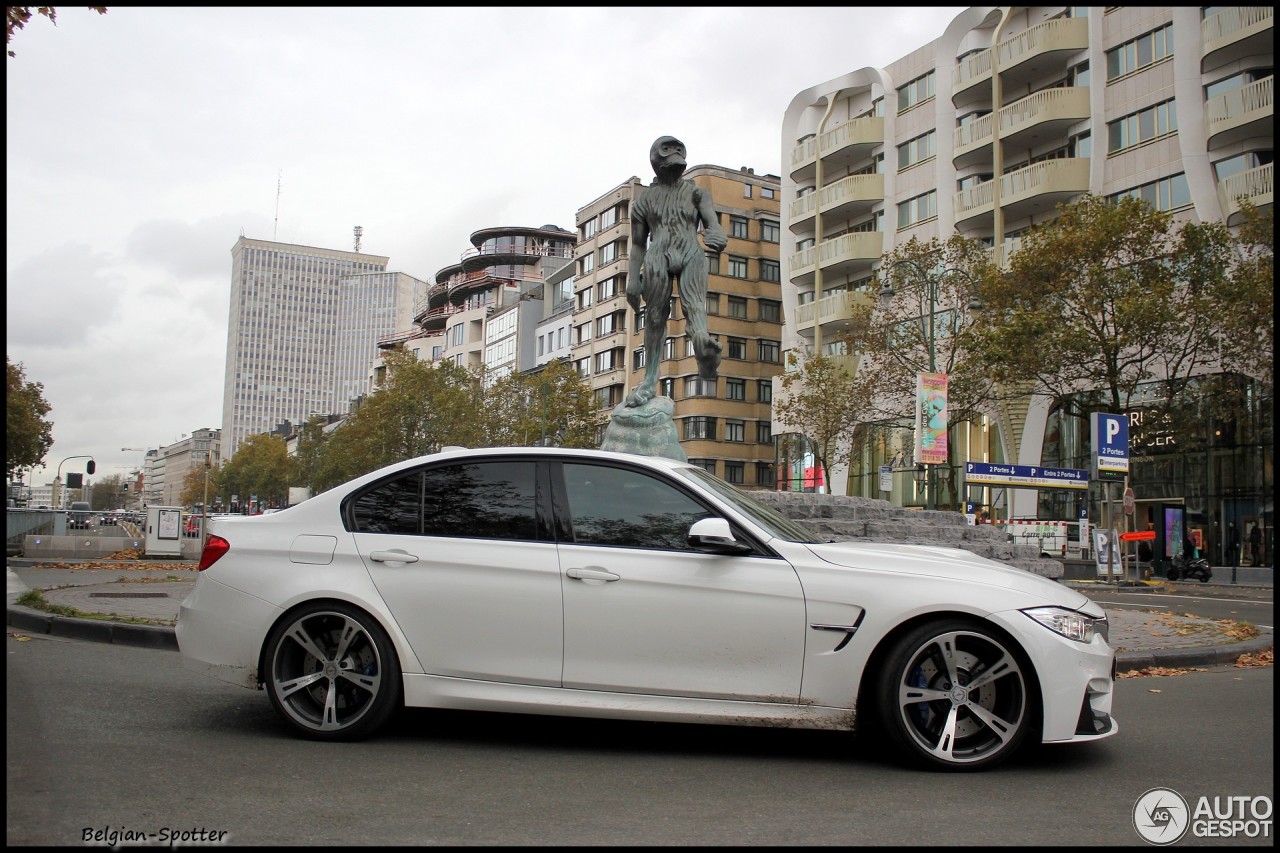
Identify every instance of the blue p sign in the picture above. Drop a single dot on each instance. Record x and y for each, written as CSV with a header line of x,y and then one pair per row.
x,y
1110,442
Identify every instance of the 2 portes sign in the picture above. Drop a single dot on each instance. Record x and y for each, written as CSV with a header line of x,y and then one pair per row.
x,y
1109,459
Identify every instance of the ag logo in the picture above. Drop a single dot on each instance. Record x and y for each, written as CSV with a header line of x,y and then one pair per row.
x,y
1161,816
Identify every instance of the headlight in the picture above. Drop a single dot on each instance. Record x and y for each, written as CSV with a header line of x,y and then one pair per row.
x,y
1069,623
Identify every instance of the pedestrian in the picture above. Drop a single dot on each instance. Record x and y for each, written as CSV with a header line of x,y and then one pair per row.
x,y
1255,545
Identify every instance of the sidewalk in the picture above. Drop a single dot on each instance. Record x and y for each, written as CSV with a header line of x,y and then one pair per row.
x,y
154,593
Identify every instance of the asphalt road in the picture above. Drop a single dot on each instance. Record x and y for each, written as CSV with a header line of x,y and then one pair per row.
x,y
1255,605
119,739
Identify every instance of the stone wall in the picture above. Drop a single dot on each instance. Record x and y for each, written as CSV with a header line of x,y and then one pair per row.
x,y
852,518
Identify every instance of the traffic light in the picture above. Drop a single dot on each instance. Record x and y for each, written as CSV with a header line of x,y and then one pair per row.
x,y
91,466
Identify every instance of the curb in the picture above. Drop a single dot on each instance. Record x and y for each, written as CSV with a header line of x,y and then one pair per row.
x,y
1196,656
95,630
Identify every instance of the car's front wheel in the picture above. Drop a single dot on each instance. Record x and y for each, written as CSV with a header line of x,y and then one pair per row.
x,y
952,695
332,672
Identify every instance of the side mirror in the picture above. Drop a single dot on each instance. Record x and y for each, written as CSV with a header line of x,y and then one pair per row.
x,y
714,536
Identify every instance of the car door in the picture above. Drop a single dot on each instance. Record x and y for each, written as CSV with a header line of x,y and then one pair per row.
x,y
477,592
645,613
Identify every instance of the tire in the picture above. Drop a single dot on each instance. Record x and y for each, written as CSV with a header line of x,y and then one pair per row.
x,y
1173,573
1204,578
332,673
941,728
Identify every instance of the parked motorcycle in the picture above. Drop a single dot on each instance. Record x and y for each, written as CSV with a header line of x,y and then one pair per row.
x,y
1182,567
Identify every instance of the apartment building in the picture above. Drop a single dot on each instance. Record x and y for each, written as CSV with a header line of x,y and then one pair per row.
x,y
282,332
984,131
724,426
180,458
371,307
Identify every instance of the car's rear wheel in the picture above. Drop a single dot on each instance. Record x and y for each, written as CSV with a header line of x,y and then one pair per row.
x,y
332,672
952,695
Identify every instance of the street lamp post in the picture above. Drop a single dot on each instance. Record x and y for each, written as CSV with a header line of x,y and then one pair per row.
x,y
57,481
931,280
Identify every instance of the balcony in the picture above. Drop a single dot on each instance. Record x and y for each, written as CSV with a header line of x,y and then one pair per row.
x,y
801,267
1030,54
1002,255
973,142
504,253
434,319
801,212
1041,49
851,142
1047,113
848,252
1241,113
804,159
1257,185
834,312
852,196
1041,187
1234,33
975,203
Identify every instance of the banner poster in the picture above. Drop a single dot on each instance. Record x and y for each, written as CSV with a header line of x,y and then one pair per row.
x,y
931,419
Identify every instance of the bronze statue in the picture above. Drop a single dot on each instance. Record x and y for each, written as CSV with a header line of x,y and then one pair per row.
x,y
664,247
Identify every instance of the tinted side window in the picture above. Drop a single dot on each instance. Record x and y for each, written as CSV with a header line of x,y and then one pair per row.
x,y
487,500
615,506
392,507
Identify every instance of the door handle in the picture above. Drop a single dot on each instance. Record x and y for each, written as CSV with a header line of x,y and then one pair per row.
x,y
593,575
392,557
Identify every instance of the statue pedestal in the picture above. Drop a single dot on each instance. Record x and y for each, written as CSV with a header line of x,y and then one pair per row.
x,y
646,430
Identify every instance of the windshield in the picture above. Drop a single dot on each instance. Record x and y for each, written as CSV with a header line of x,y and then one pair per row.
x,y
774,522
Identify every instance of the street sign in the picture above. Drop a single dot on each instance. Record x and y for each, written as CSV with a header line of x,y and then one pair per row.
x,y
1110,445
886,478
1138,536
1025,476
1128,502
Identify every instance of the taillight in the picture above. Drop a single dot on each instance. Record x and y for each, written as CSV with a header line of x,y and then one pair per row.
x,y
214,548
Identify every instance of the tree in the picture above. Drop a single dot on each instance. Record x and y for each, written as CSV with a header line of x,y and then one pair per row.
x,y
260,467
28,435
552,405
823,402
307,457
1107,308
1243,302
110,492
193,484
19,15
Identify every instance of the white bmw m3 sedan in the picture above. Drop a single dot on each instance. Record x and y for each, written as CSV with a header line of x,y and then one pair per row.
x,y
590,583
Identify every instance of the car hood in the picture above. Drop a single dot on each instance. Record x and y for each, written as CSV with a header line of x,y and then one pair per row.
x,y
950,563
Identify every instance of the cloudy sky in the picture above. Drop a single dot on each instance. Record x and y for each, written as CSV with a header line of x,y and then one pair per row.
x,y
143,142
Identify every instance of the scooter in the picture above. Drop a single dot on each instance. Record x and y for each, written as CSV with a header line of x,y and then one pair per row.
x,y
1181,567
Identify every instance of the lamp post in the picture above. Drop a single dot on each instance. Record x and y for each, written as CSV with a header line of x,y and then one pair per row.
x,y
931,281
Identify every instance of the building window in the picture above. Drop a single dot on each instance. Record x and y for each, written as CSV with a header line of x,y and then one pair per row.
x,y
609,218
737,267
764,474
770,232
589,228
587,264
917,150
735,389
734,472
607,289
583,367
1151,123
667,387
712,304
606,361
637,359
738,307
734,431
582,334
770,270
699,427
708,465
770,311
770,351
768,192
918,209
746,190
697,387
1166,194
669,349
764,432
608,253
917,91
737,348
584,299
738,227
1139,53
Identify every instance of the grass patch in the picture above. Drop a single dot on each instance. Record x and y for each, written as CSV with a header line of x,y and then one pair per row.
x,y
35,599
